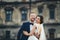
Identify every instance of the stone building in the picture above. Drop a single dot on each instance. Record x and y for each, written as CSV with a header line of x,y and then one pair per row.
x,y
14,12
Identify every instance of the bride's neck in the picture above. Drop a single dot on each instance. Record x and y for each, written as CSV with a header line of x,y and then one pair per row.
x,y
37,23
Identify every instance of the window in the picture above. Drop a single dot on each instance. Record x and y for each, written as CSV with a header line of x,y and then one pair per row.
x,y
24,13
40,9
52,11
51,32
8,14
7,34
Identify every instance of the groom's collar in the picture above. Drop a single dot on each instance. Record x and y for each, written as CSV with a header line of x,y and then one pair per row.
x,y
31,22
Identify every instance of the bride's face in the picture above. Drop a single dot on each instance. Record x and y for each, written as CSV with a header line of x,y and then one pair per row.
x,y
38,19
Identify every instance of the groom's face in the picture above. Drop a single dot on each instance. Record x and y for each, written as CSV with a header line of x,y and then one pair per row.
x,y
32,17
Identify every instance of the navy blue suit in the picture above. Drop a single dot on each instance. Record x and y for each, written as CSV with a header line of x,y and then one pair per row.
x,y
24,27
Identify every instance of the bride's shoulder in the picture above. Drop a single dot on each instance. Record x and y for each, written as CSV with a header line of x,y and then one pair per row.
x,y
41,25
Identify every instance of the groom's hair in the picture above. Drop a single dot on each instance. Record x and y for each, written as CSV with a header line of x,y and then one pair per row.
x,y
32,13
41,18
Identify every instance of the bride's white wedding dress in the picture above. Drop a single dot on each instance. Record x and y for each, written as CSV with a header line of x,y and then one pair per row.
x,y
42,34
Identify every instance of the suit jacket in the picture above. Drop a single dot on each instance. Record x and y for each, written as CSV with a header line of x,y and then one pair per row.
x,y
24,27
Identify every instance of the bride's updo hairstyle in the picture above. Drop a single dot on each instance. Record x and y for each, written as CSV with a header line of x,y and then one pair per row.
x,y
41,18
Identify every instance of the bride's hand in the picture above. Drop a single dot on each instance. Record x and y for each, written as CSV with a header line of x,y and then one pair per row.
x,y
37,35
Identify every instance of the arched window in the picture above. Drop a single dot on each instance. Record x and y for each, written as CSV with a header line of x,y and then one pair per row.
x,y
24,12
8,13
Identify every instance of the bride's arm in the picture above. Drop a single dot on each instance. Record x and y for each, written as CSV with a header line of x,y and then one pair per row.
x,y
38,33
33,30
39,30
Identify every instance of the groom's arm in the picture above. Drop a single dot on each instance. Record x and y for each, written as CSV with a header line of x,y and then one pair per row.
x,y
21,31
26,33
31,32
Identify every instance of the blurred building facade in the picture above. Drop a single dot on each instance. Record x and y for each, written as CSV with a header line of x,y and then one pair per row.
x,y
14,12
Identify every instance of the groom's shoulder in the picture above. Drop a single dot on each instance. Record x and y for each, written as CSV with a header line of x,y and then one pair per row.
x,y
26,23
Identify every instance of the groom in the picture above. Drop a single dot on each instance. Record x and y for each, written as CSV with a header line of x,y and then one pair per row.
x,y
24,32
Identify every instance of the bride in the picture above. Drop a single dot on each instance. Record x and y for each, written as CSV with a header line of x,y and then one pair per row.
x,y
38,30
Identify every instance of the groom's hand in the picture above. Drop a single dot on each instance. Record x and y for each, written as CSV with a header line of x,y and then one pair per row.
x,y
30,33
27,34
